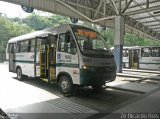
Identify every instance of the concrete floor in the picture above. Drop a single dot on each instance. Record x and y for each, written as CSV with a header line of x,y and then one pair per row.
x,y
37,99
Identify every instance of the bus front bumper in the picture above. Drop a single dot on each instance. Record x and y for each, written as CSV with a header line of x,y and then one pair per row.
x,y
94,76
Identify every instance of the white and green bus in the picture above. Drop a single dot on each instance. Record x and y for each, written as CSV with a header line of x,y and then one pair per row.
x,y
141,57
68,54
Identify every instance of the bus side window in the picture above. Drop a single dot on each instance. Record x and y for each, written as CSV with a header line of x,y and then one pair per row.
x,y
125,53
11,48
71,44
38,44
18,47
8,50
73,49
87,45
61,43
25,46
155,52
67,43
52,49
15,46
146,52
31,45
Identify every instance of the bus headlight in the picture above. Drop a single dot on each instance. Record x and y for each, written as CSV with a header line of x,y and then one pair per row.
x,y
85,67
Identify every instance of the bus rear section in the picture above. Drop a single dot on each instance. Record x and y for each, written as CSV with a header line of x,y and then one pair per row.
x,y
150,58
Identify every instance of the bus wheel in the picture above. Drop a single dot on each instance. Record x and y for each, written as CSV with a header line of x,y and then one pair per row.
x,y
19,74
65,85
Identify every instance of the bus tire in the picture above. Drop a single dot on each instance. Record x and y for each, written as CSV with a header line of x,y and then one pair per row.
x,y
65,85
19,74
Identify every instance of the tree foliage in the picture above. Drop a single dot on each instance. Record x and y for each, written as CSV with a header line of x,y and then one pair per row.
x,y
9,30
132,40
129,39
38,22
12,27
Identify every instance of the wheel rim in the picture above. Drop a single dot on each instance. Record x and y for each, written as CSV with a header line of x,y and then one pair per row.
x,y
18,73
64,85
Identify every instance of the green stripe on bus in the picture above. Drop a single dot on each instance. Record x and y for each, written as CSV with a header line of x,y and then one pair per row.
x,y
148,63
24,61
67,65
125,62
58,64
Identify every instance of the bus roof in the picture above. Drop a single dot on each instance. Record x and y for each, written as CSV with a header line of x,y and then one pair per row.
x,y
41,33
34,34
44,32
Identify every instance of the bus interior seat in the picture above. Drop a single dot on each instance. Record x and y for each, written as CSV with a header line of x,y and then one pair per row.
x,y
65,47
72,46
87,45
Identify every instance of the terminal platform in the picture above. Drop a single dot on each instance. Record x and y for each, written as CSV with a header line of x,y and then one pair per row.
x,y
133,91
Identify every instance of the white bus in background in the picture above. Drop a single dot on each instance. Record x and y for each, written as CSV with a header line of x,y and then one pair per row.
x,y
141,57
68,54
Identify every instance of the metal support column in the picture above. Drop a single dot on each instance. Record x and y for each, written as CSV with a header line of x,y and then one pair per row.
x,y
118,41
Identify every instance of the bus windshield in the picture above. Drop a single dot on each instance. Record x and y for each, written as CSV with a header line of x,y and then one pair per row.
x,y
91,43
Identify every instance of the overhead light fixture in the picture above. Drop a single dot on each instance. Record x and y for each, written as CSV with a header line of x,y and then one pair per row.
x,y
74,20
156,12
27,8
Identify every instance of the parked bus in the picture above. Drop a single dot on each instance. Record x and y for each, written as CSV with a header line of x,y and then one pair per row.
x,y
68,54
141,57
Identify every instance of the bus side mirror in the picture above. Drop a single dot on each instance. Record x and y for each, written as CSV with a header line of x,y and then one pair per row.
x,y
67,37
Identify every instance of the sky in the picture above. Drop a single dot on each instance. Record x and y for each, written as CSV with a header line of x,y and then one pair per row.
x,y
12,10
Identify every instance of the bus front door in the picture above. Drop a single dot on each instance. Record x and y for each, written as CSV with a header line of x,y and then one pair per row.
x,y
44,58
52,57
130,58
133,59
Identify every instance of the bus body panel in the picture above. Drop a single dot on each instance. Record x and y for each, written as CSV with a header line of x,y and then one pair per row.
x,y
126,62
26,62
68,63
149,63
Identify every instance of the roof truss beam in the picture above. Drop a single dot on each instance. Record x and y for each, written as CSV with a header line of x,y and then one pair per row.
x,y
144,29
93,11
114,6
98,8
156,28
143,4
146,17
127,5
151,25
147,4
148,21
150,9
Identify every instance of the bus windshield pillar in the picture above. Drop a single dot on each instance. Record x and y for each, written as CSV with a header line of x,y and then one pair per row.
x,y
118,41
